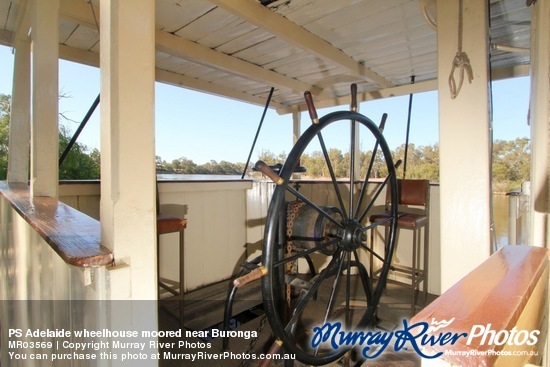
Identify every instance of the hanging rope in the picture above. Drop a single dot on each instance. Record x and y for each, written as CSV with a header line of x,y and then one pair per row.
x,y
460,62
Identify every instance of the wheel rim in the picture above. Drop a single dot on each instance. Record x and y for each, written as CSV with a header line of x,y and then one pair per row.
x,y
290,317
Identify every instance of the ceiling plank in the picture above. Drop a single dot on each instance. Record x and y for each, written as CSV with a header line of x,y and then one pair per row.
x,y
185,49
253,12
79,12
176,46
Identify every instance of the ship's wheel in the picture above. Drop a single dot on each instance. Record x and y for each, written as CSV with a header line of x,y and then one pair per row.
x,y
302,226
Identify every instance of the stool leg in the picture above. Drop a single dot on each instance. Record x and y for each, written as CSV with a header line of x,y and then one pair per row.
x,y
158,265
371,266
426,260
181,274
413,274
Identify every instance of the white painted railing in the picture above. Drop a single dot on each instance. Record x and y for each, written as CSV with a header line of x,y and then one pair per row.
x,y
226,224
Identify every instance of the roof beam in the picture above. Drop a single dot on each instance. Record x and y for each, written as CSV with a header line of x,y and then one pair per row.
x,y
255,13
23,22
418,87
401,90
180,80
92,59
6,38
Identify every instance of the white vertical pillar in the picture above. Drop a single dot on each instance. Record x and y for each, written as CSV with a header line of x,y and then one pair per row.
x,y
296,124
296,131
464,141
539,122
45,92
20,128
357,144
127,60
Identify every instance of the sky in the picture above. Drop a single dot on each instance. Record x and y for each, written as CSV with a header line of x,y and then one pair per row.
x,y
203,127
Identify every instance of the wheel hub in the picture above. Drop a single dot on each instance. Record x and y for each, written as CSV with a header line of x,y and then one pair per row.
x,y
353,236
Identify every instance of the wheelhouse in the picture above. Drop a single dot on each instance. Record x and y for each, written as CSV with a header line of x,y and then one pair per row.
x,y
82,243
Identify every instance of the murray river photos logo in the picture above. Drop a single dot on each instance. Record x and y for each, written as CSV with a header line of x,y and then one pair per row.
x,y
372,343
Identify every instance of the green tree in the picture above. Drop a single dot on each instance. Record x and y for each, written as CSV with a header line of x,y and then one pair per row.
x,y
5,108
314,164
231,168
511,159
79,164
339,162
423,163
270,158
187,166
378,169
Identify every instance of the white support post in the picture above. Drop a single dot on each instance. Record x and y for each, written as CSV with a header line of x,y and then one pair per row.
x,y
45,94
539,122
128,223
464,140
20,119
357,144
296,131
296,124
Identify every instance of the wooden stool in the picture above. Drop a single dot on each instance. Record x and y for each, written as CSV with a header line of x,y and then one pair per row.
x,y
172,224
412,193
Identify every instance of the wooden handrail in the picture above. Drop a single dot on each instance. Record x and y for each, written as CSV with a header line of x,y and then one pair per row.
x,y
505,291
72,234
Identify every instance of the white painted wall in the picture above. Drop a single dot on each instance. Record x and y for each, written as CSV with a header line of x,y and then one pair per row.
x,y
225,224
237,210
83,197
215,238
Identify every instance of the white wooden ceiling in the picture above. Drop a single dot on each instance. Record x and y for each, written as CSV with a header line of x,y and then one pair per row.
x,y
241,48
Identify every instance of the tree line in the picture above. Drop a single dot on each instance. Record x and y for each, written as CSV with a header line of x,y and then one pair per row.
x,y
510,165
81,163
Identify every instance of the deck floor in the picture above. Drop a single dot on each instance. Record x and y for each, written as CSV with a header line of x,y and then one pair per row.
x,y
204,308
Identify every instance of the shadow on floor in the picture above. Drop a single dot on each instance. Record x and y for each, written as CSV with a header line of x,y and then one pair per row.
x,y
203,311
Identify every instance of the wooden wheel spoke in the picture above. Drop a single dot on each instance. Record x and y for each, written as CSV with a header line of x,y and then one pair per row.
x,y
375,254
377,193
378,223
306,252
334,286
332,174
305,296
369,169
314,206
352,167
363,274
348,292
